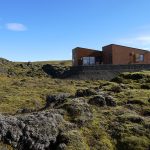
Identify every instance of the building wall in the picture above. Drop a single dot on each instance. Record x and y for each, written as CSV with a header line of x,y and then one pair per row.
x,y
78,53
103,72
147,58
107,54
124,55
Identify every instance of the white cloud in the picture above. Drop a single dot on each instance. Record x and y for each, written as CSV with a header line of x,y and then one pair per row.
x,y
16,27
140,37
143,40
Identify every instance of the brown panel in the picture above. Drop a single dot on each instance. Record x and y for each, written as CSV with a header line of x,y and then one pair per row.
x,y
107,54
84,52
124,55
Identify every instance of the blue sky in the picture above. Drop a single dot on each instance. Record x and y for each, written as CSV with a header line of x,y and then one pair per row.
x,y
33,30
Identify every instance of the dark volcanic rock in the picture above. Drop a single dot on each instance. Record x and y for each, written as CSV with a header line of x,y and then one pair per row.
x,y
97,100
139,102
135,76
146,113
110,101
56,99
102,100
85,92
24,110
79,110
55,71
116,89
136,119
145,86
36,131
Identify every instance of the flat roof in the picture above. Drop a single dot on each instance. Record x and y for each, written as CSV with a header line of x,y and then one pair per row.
x,y
86,49
126,47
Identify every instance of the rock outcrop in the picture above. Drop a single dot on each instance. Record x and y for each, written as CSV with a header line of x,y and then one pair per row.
x,y
35,131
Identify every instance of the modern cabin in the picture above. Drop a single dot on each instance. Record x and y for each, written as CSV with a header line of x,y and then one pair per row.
x,y
110,54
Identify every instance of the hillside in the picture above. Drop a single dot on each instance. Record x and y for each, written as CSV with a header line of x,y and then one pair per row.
x,y
40,112
33,68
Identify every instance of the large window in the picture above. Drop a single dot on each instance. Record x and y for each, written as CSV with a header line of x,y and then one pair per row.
x,y
92,60
88,60
139,57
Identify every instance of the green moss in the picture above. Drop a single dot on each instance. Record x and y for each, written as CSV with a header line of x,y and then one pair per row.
x,y
75,140
123,127
95,132
134,143
97,138
17,92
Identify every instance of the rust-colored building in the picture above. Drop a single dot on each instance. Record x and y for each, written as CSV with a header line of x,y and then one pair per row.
x,y
117,54
85,56
110,54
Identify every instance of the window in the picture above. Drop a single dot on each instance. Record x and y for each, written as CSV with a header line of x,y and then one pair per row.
x,y
92,60
88,60
139,57
85,60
